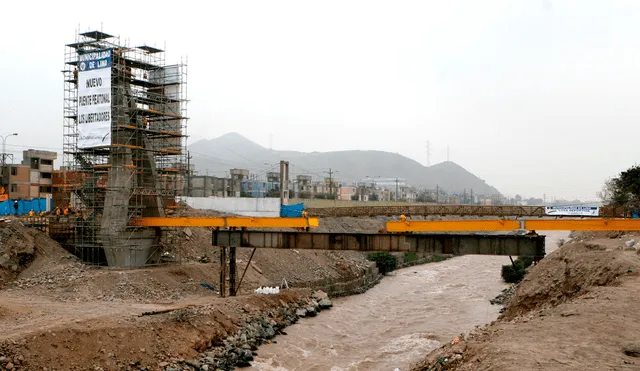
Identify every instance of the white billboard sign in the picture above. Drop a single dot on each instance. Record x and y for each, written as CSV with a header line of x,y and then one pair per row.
x,y
94,99
572,210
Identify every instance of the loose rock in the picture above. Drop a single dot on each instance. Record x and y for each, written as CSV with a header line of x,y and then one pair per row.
x,y
632,350
325,304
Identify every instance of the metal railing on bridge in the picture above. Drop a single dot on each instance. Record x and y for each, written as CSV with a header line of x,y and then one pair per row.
x,y
452,210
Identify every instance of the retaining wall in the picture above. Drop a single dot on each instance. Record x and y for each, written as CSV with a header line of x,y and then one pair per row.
x,y
264,207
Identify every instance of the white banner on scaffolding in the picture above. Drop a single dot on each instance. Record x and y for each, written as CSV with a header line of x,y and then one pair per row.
x,y
94,99
572,210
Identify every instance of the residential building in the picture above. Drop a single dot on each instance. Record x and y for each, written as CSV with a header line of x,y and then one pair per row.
x,y
346,193
235,185
383,195
273,177
318,188
33,178
207,186
302,186
259,189
407,194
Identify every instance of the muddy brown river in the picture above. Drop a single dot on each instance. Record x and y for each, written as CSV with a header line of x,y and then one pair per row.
x,y
411,312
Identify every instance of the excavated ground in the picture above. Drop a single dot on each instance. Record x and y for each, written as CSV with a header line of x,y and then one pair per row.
x,y
59,313
575,310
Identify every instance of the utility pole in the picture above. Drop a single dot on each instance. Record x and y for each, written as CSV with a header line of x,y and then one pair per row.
x,y
284,182
330,172
437,194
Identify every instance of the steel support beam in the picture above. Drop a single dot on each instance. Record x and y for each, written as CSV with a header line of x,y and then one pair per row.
x,y
223,271
232,271
481,244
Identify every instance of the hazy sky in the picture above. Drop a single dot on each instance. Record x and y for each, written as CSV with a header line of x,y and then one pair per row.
x,y
534,96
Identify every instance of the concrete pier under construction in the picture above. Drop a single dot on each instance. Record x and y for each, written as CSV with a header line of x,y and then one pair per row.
x,y
124,153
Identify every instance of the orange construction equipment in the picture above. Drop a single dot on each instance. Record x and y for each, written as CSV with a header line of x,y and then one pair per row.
x,y
511,225
231,222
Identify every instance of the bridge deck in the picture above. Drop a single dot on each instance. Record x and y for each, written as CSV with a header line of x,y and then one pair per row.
x,y
482,244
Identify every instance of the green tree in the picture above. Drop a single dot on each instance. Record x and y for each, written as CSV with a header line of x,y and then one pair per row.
x,y
624,190
514,273
384,261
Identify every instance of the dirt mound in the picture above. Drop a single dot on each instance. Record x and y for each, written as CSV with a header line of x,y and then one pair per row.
x,y
350,225
569,271
574,310
22,248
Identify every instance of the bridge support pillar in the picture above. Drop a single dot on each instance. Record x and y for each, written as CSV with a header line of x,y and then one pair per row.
x,y
232,271
223,271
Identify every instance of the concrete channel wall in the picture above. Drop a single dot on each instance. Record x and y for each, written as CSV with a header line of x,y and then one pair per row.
x,y
264,207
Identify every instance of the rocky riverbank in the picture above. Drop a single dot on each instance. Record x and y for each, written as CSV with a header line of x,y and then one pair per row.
x,y
239,348
504,296
217,334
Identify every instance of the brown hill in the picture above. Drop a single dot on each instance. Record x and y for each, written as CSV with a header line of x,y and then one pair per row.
x,y
217,156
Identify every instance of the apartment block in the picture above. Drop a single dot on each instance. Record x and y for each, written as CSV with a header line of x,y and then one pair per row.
x,y
33,178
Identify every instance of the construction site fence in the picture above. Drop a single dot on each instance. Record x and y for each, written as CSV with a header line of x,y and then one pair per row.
x,y
37,205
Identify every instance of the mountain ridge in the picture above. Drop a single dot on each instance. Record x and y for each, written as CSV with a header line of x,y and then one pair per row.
x,y
232,150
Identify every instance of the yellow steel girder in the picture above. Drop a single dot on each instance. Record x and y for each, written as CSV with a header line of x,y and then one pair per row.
x,y
236,222
583,225
452,225
509,225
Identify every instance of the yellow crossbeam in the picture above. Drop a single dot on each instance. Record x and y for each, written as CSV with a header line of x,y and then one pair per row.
x,y
236,222
583,225
452,225
509,225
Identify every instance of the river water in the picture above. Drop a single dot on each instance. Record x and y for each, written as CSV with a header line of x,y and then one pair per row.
x,y
409,313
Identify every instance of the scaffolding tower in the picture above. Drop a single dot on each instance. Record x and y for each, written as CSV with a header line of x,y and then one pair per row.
x,y
141,169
